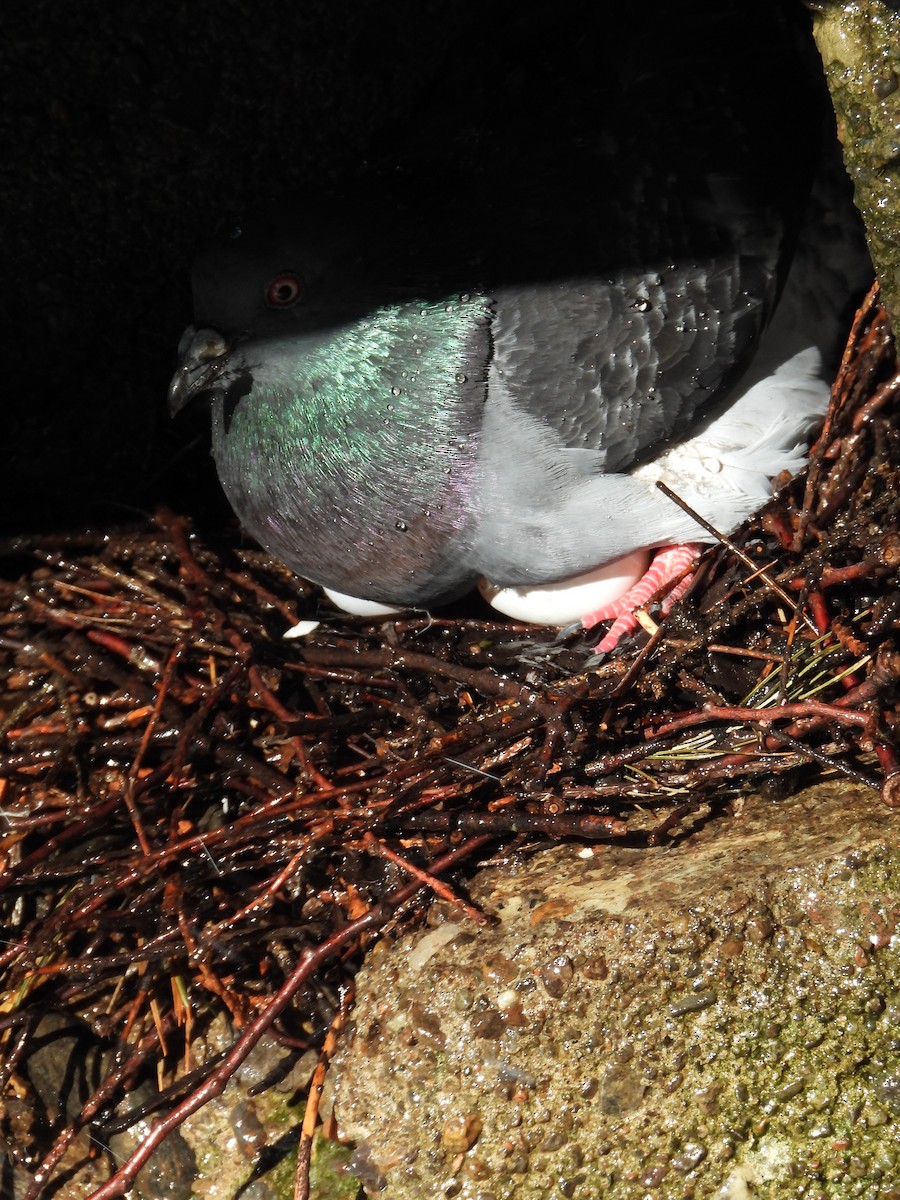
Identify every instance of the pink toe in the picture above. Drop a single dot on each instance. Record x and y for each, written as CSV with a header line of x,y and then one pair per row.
x,y
625,623
669,565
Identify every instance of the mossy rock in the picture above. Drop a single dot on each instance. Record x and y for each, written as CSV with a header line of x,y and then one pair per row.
x,y
716,1019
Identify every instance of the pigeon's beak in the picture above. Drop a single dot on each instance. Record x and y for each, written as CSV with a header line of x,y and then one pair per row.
x,y
203,354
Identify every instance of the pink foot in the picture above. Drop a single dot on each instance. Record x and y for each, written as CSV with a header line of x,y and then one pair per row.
x,y
669,563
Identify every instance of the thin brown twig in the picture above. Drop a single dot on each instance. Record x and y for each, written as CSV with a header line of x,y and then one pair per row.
x,y
314,1095
770,583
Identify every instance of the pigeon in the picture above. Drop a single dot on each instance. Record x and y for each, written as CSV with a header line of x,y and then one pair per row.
x,y
413,399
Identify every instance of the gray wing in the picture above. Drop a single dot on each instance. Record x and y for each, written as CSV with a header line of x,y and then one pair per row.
x,y
617,366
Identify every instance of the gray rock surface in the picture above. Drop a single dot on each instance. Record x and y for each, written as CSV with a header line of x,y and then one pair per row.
x,y
859,42
720,1018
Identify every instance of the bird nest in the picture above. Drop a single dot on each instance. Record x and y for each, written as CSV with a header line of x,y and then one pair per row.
x,y
199,816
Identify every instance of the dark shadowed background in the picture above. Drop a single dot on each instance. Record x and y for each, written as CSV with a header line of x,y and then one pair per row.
x,y
131,129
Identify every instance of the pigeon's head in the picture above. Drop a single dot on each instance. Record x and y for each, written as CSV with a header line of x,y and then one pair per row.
x,y
346,393
284,266
271,278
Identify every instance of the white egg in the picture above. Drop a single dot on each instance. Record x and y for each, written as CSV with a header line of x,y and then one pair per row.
x,y
301,629
567,601
360,608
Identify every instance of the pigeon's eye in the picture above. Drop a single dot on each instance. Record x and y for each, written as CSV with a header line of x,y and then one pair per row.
x,y
283,291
